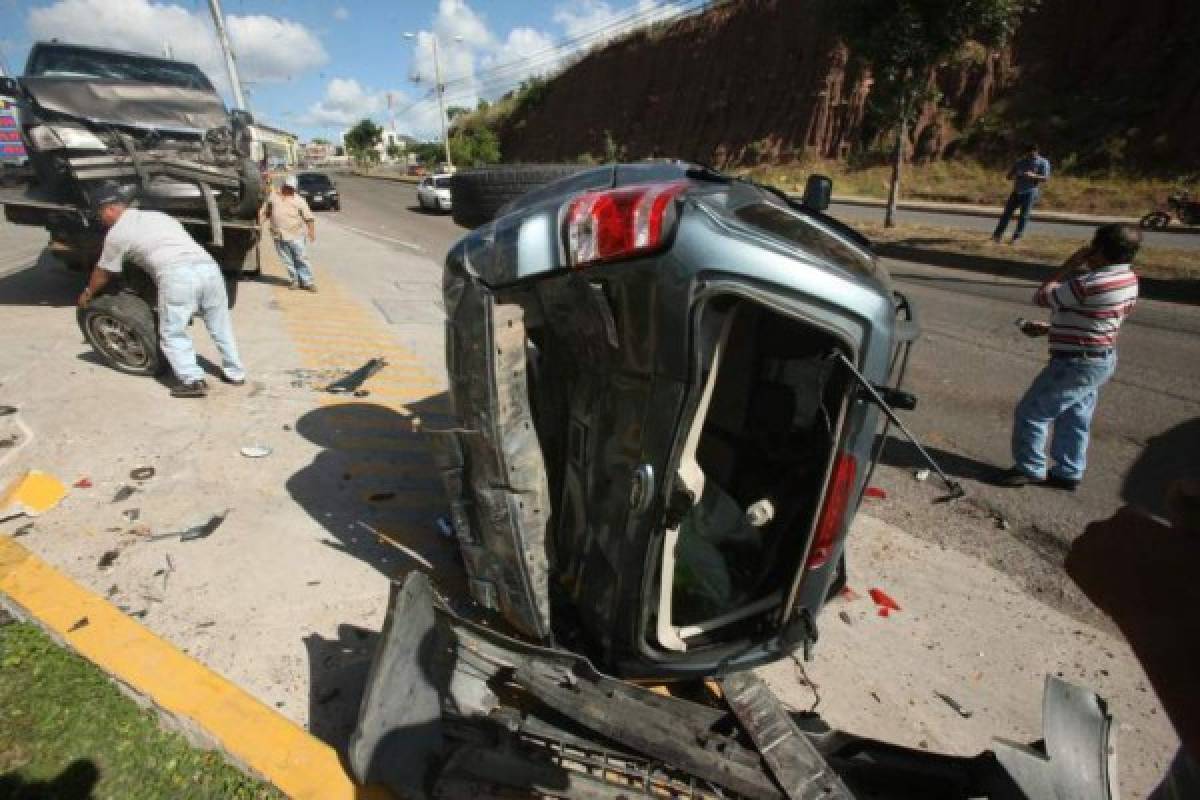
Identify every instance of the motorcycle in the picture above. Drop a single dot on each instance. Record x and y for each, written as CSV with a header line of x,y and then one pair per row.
x,y
1181,205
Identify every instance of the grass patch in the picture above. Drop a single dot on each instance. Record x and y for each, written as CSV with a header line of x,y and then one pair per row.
x,y
1050,251
66,731
967,181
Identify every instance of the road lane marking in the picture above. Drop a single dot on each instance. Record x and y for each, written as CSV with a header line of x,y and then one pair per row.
x,y
380,236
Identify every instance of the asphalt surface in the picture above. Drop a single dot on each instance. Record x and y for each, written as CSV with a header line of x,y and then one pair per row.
x,y
986,225
969,370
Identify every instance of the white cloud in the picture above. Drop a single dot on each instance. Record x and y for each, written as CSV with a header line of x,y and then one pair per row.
x,y
596,21
269,49
341,13
346,101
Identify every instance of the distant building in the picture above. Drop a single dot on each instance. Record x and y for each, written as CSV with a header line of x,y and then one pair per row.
x,y
319,152
389,138
274,147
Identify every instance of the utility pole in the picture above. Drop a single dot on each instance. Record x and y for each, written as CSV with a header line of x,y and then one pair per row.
x,y
440,89
230,63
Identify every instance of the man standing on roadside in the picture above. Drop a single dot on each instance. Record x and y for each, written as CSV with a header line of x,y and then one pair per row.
x,y
1089,299
1027,175
189,282
291,222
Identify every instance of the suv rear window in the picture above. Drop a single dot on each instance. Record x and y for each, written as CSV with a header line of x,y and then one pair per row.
x,y
441,183
70,62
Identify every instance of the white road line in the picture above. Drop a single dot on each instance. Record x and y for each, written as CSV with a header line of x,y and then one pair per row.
x,y
374,235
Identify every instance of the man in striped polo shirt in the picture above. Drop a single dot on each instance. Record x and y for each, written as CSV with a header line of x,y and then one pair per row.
x,y
1088,299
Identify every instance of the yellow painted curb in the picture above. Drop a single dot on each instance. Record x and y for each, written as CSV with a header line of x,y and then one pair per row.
x,y
251,733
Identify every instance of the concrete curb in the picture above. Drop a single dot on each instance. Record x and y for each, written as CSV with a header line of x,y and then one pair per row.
x,y
1168,290
208,709
1061,217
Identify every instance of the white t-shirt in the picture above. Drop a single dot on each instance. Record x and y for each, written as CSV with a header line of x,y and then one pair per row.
x,y
157,242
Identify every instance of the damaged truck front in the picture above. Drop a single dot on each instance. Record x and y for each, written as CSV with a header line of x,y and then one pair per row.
x,y
159,129
668,386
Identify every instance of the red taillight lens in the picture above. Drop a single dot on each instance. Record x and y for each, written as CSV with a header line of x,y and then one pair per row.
x,y
619,223
837,499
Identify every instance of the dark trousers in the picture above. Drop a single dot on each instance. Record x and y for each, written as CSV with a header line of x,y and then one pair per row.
x,y
1024,202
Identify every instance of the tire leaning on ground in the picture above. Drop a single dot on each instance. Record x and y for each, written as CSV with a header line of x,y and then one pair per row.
x,y
121,328
476,195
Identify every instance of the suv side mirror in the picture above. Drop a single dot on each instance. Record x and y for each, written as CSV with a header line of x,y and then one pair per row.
x,y
818,192
9,87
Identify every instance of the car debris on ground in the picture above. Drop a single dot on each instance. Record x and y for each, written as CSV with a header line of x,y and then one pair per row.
x,y
958,708
124,493
256,451
352,383
141,474
32,494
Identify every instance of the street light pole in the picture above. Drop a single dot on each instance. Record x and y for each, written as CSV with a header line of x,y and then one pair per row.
x,y
230,64
440,89
437,76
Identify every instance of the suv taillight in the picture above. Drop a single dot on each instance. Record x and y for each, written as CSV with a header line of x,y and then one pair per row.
x,y
620,223
837,500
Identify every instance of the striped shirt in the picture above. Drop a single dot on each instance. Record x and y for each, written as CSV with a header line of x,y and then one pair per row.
x,y
1089,308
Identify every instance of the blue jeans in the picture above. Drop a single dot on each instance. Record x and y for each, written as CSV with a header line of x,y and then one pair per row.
x,y
1023,201
1064,393
293,254
184,292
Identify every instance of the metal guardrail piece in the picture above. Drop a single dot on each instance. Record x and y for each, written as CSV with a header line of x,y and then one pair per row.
x,y
800,770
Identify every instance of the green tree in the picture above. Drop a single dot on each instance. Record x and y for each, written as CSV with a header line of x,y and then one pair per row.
x,y
454,112
320,140
361,141
475,147
428,152
905,41
395,151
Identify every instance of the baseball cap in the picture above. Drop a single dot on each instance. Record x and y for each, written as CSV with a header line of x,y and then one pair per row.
x,y
108,192
291,182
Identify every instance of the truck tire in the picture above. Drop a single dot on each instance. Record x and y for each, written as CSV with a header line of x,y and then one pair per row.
x,y
477,194
122,329
253,191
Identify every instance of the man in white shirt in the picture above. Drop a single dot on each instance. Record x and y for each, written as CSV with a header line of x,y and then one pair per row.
x,y
188,279
292,227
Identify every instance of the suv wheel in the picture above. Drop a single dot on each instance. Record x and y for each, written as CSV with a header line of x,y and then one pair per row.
x,y
122,330
476,195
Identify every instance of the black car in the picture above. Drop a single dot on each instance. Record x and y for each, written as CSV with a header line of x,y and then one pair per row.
x,y
319,191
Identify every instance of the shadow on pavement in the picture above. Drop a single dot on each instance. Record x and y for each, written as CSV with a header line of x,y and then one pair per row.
x,y
75,782
45,282
1169,456
374,476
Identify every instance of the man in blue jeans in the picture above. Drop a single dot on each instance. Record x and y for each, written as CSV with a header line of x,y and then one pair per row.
x,y
1027,175
291,222
189,283
1089,299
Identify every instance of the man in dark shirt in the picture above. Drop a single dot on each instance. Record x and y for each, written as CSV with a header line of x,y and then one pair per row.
x,y
1027,175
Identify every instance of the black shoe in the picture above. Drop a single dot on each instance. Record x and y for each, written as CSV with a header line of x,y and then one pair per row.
x,y
1015,478
291,284
310,287
190,389
233,381
1059,482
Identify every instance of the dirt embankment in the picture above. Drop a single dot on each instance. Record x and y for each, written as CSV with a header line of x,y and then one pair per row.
x,y
765,80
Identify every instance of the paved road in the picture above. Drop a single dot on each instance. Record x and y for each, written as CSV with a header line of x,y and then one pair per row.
x,y
969,370
985,225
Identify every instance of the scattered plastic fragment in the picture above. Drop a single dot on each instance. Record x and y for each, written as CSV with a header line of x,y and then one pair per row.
x,y
123,494
921,475
876,492
24,530
361,393
1003,524
883,611
256,451
204,530
354,381
848,594
6,410
445,528
82,622
141,474
845,617
107,559
9,441
132,514
954,704
33,493
883,600
83,483
287,427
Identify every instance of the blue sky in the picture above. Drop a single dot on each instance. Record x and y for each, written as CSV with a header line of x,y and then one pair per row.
x,y
314,66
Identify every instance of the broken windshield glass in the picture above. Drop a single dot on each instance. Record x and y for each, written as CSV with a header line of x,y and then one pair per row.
x,y
69,62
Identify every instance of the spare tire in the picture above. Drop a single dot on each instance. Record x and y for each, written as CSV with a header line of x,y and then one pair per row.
x,y
254,191
476,195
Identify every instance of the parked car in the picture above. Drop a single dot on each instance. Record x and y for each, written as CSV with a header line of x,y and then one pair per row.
x,y
663,436
319,190
157,127
433,193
